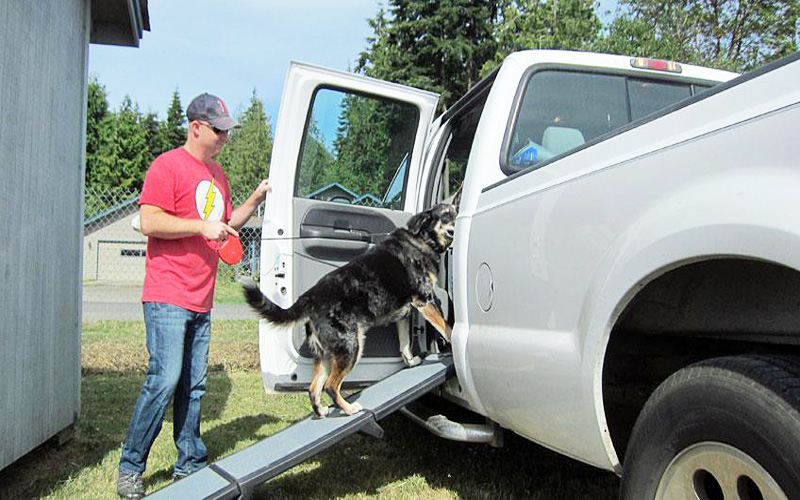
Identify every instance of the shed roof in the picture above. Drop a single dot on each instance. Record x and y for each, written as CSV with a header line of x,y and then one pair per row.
x,y
119,22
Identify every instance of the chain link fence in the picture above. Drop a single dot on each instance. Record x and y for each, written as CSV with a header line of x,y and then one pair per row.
x,y
113,251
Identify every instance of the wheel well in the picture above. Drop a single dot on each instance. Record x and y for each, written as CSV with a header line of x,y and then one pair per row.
x,y
718,307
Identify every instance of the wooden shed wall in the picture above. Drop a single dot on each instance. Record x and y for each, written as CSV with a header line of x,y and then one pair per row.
x,y
43,65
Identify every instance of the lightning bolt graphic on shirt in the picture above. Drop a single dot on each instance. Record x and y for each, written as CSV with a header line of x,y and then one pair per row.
x,y
209,201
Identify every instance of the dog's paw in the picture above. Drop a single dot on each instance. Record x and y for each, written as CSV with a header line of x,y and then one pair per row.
x,y
352,409
322,411
412,361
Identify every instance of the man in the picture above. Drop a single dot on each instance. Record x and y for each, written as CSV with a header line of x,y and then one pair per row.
x,y
185,211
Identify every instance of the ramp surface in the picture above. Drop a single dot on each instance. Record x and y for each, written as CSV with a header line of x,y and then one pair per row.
x,y
237,474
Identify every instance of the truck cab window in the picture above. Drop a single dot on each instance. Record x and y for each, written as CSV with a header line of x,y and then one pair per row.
x,y
561,110
356,149
649,96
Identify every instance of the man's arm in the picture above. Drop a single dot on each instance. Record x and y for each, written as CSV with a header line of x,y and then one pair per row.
x,y
158,223
243,212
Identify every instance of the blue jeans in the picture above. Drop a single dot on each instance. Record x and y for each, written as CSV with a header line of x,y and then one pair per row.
x,y
177,340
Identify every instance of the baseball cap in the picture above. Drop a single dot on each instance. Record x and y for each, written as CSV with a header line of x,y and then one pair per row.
x,y
210,108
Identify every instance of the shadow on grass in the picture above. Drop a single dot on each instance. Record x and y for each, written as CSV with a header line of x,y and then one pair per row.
x,y
107,402
410,462
221,440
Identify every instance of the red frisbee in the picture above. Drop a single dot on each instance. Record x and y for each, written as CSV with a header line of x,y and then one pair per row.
x,y
231,251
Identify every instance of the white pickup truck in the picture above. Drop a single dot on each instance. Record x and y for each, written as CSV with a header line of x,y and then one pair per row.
x,y
624,281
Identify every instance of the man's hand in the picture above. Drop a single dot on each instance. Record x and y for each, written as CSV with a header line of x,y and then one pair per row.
x,y
262,189
217,230
243,212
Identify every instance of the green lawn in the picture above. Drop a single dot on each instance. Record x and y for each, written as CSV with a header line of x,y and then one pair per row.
x,y
226,288
407,463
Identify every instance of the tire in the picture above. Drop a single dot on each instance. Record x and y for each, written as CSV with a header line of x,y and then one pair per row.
x,y
721,428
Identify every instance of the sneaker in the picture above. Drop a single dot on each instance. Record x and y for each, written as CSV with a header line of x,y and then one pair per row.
x,y
130,485
178,475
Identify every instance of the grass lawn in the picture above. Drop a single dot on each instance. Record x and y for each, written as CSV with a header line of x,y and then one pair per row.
x,y
407,463
226,288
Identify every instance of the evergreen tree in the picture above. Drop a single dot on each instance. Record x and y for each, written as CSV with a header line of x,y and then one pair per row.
x,y
438,46
122,159
633,36
361,145
130,146
734,34
174,133
372,139
97,123
317,162
544,24
246,155
154,136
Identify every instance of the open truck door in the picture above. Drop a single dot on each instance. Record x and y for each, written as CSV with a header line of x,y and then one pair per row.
x,y
345,172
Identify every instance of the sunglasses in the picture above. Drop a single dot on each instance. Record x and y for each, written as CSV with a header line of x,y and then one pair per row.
x,y
216,130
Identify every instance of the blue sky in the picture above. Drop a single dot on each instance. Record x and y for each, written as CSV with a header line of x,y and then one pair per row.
x,y
230,48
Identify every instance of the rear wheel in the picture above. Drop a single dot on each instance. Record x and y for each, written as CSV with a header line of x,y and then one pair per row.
x,y
722,428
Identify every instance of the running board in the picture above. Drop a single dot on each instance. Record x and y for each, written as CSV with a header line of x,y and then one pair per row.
x,y
236,475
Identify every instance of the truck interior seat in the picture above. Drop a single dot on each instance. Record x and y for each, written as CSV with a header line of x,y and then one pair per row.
x,y
561,139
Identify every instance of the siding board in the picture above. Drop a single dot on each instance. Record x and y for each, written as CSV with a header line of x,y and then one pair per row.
x,y
43,47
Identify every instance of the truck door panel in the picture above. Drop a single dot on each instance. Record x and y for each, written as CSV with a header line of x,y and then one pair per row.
x,y
344,171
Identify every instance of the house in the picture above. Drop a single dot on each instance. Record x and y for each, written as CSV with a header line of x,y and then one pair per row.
x,y
43,95
369,200
333,192
112,249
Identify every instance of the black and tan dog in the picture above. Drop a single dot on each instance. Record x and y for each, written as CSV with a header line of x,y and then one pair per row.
x,y
376,288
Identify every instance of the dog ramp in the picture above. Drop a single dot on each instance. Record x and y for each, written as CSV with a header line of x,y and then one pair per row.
x,y
236,475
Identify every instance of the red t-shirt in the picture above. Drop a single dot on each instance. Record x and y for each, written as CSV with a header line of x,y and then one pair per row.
x,y
182,271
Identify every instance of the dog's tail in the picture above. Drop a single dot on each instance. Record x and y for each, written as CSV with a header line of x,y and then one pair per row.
x,y
268,310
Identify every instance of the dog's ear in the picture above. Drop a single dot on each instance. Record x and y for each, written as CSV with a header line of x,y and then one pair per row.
x,y
457,200
416,223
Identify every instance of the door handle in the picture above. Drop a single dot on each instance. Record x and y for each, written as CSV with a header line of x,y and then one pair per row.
x,y
334,233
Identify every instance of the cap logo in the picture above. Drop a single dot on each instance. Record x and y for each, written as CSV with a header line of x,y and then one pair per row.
x,y
222,104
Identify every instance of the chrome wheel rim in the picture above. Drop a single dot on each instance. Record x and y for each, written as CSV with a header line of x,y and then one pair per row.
x,y
711,471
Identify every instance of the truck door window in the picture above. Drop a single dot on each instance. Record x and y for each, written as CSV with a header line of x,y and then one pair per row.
x,y
356,149
561,110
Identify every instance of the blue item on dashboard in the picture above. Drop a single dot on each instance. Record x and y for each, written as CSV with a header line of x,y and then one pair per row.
x,y
527,156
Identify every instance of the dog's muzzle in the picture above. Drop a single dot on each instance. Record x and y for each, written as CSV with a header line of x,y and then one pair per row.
x,y
449,237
